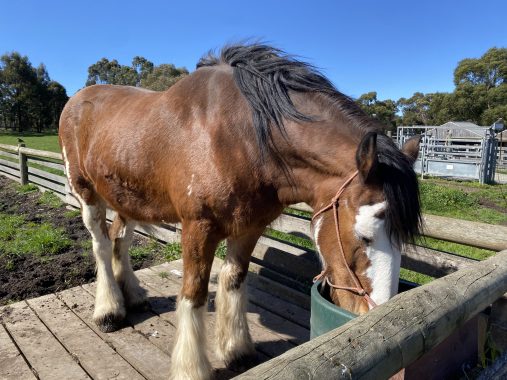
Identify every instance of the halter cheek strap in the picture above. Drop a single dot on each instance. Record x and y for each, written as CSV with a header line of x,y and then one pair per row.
x,y
357,288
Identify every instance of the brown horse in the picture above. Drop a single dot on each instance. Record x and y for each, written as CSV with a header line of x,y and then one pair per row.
x,y
223,152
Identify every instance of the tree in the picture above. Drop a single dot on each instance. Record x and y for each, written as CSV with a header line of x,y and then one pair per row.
x,y
142,73
479,96
383,110
28,97
481,87
111,72
414,109
162,77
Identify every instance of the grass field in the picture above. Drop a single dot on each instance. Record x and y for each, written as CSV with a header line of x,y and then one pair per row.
x,y
41,141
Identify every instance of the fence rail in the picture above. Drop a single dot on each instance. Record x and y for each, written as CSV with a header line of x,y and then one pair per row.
x,y
380,334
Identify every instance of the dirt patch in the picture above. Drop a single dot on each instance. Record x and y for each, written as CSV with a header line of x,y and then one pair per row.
x,y
26,276
492,205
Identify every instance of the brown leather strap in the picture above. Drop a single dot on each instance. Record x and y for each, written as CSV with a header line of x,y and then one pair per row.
x,y
357,288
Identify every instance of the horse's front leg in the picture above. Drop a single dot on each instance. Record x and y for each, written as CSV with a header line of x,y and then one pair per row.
x,y
189,360
235,345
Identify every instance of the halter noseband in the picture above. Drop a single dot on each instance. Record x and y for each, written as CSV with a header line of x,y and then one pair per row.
x,y
358,288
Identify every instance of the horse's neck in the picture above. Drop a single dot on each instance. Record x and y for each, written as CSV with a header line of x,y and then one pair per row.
x,y
322,158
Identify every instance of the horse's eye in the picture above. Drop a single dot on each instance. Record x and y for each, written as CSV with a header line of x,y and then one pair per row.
x,y
366,240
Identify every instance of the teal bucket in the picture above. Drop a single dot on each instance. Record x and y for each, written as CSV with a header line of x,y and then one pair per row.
x,y
325,316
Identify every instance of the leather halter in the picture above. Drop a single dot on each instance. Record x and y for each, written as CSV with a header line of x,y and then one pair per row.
x,y
357,288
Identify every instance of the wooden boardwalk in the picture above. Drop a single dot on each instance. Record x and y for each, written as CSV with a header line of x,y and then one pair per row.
x,y
54,337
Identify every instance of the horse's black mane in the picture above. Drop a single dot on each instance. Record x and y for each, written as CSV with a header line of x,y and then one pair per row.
x,y
401,191
265,76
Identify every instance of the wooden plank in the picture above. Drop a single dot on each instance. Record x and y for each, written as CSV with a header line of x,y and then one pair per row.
x,y
49,164
168,234
476,234
283,246
98,359
432,262
12,157
304,266
267,309
146,358
9,164
40,153
12,172
302,207
46,175
267,342
11,148
12,364
161,331
273,286
292,225
289,311
391,336
47,184
46,355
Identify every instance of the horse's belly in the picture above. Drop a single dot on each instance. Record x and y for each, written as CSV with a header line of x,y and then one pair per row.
x,y
136,201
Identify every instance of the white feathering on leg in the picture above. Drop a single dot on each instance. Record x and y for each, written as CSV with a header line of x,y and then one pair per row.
x,y
233,337
189,361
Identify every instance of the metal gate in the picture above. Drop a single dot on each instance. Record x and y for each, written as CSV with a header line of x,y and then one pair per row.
x,y
454,152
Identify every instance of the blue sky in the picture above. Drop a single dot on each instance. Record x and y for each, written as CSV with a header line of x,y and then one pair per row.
x,y
393,47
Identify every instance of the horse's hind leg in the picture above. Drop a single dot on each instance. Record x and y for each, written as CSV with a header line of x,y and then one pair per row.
x,y
233,338
121,233
109,306
188,360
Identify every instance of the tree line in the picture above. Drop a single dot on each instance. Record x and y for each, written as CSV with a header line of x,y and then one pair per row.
x,y
479,96
31,101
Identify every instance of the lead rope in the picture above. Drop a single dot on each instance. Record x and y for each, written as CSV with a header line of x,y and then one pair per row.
x,y
358,289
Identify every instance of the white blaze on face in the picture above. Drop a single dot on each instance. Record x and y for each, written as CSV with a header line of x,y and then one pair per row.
x,y
384,269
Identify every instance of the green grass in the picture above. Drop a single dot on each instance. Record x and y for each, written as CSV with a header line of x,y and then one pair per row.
x,y
50,199
72,214
20,238
163,274
467,201
43,141
172,251
139,253
28,188
87,245
458,249
221,250
9,225
412,276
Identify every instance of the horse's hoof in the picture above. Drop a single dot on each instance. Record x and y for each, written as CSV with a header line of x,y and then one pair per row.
x,y
109,323
244,362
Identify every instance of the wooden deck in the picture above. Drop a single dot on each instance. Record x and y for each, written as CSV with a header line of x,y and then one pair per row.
x,y
54,337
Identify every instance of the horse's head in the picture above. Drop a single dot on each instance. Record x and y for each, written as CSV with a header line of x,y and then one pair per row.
x,y
375,212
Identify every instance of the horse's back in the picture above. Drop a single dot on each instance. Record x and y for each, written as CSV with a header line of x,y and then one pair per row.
x,y
161,155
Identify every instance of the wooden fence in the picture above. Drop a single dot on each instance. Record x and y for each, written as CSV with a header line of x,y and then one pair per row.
x,y
420,319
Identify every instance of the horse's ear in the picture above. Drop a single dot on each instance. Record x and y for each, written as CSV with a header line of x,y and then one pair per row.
x,y
366,156
411,147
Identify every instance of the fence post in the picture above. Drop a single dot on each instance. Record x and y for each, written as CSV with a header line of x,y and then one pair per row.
x,y
23,167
